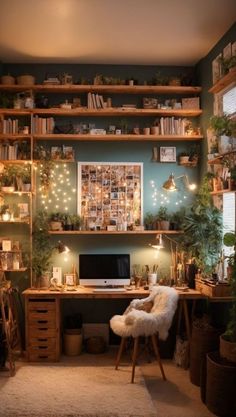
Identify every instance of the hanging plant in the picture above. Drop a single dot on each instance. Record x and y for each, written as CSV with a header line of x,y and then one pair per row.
x,y
46,166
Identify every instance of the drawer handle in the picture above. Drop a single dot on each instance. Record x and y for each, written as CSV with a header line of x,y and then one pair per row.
x,y
42,321
42,347
42,340
41,311
43,356
43,328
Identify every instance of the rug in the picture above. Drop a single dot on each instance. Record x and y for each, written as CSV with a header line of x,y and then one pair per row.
x,y
85,386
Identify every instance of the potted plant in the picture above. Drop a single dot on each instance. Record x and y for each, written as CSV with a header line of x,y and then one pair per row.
x,y
228,338
7,179
41,249
76,221
56,221
149,220
177,219
202,239
223,125
163,219
43,155
183,158
23,177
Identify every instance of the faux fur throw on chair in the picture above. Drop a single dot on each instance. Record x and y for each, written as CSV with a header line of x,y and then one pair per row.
x,y
137,321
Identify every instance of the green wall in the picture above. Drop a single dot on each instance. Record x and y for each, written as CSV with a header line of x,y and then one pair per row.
x,y
204,76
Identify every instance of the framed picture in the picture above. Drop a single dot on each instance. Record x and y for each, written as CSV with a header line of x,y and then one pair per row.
x,y
70,279
110,194
167,154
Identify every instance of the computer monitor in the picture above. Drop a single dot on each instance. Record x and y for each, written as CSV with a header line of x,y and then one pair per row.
x,y
104,269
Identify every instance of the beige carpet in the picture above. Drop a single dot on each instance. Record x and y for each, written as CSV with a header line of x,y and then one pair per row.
x,y
86,386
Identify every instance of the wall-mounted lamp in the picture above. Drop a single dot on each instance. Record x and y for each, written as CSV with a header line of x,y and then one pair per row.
x,y
170,185
159,242
62,248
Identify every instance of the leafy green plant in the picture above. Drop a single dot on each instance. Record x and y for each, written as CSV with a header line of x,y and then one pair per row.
x,y
229,240
223,125
162,214
202,239
149,220
42,247
43,155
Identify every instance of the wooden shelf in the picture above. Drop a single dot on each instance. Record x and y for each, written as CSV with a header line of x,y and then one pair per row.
x,y
222,192
224,82
105,232
15,222
17,136
118,138
218,159
16,161
15,112
118,112
115,89
14,270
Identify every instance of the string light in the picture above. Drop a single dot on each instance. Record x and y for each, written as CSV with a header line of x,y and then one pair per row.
x,y
57,198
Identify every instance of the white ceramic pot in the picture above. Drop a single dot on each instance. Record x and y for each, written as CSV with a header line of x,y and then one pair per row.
x,y
152,279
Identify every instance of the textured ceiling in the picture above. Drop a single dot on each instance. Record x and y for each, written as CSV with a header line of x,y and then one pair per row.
x,y
171,32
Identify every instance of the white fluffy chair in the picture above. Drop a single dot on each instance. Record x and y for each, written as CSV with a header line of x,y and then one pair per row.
x,y
151,316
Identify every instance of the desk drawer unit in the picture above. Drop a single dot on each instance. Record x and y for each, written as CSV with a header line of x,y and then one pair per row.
x,y
42,329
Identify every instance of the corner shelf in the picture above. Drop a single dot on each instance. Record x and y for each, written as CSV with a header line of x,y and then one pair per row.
x,y
224,82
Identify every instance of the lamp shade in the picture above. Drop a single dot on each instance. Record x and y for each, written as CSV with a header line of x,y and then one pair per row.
x,y
170,185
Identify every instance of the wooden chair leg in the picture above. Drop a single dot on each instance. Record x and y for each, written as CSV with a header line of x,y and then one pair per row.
x,y
135,354
120,351
157,353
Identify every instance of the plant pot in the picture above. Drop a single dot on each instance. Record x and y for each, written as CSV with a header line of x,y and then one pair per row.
x,y
26,187
44,281
227,349
54,225
163,225
203,340
183,160
9,189
152,279
220,386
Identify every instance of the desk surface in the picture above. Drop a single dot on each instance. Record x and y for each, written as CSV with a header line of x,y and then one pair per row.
x,y
82,292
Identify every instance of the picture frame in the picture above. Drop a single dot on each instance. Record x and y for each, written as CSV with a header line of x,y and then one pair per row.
x,y
167,154
110,194
70,279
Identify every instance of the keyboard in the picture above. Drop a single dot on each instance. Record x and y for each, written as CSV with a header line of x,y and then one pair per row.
x,y
109,290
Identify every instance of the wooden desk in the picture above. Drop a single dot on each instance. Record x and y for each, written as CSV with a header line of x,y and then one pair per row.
x,y
43,324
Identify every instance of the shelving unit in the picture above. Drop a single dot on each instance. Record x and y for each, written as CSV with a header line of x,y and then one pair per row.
x,y
33,138
220,85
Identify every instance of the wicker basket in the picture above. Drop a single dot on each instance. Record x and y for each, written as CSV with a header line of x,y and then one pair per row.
x,y
26,80
7,80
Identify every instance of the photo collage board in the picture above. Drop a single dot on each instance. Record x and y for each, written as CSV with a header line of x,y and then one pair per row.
x,y
110,194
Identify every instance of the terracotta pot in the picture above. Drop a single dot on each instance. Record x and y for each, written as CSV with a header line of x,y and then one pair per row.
x,y
227,349
163,225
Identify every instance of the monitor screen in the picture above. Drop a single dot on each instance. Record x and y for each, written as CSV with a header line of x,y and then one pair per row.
x,y
103,269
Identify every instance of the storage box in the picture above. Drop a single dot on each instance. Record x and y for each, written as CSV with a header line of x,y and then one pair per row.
x,y
190,103
213,290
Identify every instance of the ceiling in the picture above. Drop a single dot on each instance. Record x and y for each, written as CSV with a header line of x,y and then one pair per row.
x,y
148,32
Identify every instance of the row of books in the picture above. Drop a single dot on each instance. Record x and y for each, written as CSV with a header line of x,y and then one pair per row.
x,y
95,101
10,126
173,126
43,125
9,151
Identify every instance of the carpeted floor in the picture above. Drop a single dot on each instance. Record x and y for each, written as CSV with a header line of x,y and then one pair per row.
x,y
85,386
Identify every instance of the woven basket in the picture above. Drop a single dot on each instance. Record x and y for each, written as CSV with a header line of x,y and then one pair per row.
x,y
7,80
26,80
